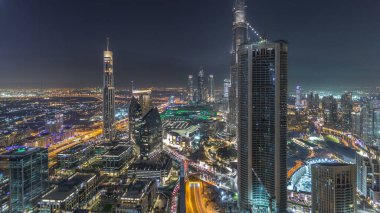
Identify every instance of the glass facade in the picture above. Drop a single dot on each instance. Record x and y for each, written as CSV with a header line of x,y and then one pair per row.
x,y
262,126
28,176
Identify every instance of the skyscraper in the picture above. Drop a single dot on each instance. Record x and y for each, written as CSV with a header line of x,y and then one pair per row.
x,y
190,88
371,123
151,135
239,36
226,88
262,126
144,100
211,88
330,110
108,95
333,188
298,97
134,122
201,87
28,175
346,109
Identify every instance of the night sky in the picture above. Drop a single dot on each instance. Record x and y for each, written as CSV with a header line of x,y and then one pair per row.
x,y
59,43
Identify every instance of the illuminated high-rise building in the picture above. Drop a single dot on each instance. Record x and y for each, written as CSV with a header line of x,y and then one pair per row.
x,y
211,88
151,135
330,110
108,95
190,88
262,126
346,105
134,122
333,187
371,123
239,36
144,100
298,97
28,174
201,91
226,88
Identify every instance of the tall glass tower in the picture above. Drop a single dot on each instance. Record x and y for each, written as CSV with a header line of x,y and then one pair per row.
x,y
108,95
239,36
211,88
262,126
201,87
190,88
28,176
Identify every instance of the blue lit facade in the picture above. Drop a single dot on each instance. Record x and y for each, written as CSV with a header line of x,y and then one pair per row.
x,y
28,176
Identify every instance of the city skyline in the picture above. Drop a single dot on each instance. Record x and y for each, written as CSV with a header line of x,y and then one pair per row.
x,y
50,46
167,116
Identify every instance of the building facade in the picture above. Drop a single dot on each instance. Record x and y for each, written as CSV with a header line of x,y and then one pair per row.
x,y
239,36
211,89
28,176
151,135
262,126
134,120
190,88
201,91
333,188
108,95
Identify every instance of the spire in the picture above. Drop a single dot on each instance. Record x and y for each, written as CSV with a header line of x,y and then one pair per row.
x,y
239,4
108,43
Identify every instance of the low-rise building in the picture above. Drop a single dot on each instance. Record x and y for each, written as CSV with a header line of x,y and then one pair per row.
x,y
139,196
74,156
71,194
116,158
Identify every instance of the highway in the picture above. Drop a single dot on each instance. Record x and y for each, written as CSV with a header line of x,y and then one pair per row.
x,y
82,137
194,202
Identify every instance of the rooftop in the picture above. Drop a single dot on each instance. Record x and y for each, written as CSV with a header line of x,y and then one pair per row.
x,y
21,151
117,150
137,188
66,188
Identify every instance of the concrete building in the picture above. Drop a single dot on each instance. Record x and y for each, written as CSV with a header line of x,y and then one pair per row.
x,y
262,126
333,188
116,158
71,194
140,196
73,157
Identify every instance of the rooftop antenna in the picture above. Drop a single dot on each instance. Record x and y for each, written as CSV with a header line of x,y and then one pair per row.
x,y
108,43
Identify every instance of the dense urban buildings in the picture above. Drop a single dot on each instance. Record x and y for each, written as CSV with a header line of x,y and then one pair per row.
x,y
262,126
108,95
173,137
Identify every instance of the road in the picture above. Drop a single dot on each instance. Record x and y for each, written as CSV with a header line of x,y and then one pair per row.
x,y
194,202
81,137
